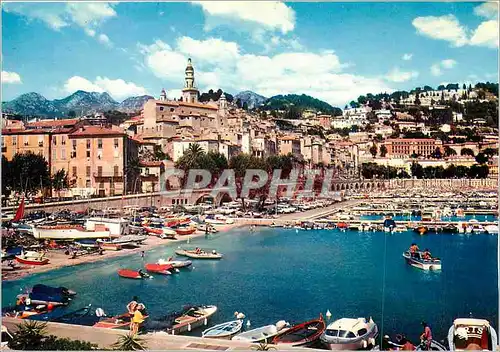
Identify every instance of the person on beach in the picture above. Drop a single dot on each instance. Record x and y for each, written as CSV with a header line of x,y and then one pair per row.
x,y
142,254
132,305
136,321
426,336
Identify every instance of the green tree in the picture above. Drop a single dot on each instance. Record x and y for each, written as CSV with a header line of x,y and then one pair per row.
x,y
466,151
490,151
158,154
449,151
481,158
240,163
417,170
59,181
218,161
192,158
437,153
383,150
30,173
245,106
72,114
132,172
130,342
373,150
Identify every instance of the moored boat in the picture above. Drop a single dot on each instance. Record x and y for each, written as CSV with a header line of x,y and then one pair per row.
x,y
24,259
175,263
491,229
198,254
418,261
116,322
133,274
191,318
350,334
304,334
262,334
165,269
183,231
224,330
110,246
44,289
472,334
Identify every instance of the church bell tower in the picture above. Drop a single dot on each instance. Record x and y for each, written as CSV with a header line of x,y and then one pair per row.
x,y
189,92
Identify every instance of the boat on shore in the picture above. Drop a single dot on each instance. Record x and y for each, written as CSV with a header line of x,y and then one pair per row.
x,y
43,299
198,255
190,318
133,274
419,262
302,335
350,334
108,246
66,232
262,334
29,260
177,264
184,231
472,334
224,330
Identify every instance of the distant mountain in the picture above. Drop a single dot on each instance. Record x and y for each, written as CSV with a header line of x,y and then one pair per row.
x,y
134,104
252,99
81,102
300,103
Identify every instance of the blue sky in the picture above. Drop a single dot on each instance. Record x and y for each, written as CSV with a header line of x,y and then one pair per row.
x,y
332,51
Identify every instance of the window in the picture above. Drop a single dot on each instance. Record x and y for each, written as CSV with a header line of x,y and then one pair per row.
x,y
116,142
88,153
99,143
361,332
101,184
74,171
40,141
171,109
161,108
74,144
54,140
88,143
146,171
14,140
3,142
63,140
115,170
87,173
63,154
26,140
99,170
88,184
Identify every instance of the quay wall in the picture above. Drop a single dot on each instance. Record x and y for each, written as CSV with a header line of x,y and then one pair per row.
x,y
105,338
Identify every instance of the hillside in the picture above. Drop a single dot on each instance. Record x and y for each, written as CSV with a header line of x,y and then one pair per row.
x,y
252,99
300,103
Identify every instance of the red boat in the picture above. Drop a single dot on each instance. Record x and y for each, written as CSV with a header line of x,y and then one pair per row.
x,y
132,274
342,225
185,230
165,269
302,335
153,230
32,260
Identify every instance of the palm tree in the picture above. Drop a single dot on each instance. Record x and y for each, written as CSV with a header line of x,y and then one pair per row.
x,y
29,336
132,171
191,157
129,342
263,346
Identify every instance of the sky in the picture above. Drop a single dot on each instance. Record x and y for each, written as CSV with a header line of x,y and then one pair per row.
x,y
331,51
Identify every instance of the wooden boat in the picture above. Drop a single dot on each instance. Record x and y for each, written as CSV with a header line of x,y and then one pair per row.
x,y
200,255
262,334
176,263
153,230
116,322
110,246
23,259
417,261
183,231
165,269
191,318
224,330
350,334
133,274
342,225
304,334
472,334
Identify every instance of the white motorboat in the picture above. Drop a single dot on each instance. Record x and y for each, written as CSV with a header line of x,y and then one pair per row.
x,y
218,220
472,334
175,263
418,261
224,330
491,229
262,334
350,334
66,232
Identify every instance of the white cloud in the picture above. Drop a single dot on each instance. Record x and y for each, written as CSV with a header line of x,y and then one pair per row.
x,y
270,15
445,28
317,74
486,34
396,75
118,88
10,78
103,38
437,68
407,57
174,94
211,49
87,15
487,9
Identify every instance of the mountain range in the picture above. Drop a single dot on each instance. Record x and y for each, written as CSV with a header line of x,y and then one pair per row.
x,y
81,102
252,99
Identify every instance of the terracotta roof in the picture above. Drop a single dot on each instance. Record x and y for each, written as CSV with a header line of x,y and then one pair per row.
x,y
97,131
52,123
288,138
14,131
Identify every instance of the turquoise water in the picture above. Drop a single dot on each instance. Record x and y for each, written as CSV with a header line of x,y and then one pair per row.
x,y
399,217
275,274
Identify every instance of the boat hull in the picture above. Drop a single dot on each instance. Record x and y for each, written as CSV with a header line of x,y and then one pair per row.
x,y
67,233
192,255
32,261
422,264
314,329
187,324
218,331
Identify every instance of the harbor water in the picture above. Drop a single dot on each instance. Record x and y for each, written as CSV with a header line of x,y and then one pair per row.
x,y
273,274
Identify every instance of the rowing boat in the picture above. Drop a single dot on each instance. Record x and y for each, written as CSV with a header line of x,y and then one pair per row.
x,y
200,255
224,330
302,335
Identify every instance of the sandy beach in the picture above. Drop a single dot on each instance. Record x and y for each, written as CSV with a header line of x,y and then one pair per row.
x,y
58,259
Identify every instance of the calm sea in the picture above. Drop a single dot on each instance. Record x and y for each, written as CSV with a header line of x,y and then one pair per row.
x,y
274,274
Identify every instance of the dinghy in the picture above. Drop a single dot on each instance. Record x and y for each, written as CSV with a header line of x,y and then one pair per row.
x,y
198,255
417,261
190,318
165,269
302,335
133,274
182,231
262,334
175,263
224,330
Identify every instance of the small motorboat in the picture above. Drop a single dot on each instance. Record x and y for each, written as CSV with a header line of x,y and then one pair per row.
x,y
43,299
175,263
133,274
183,231
165,269
206,228
224,330
44,289
28,260
418,261
472,334
262,334
190,318
350,334
302,335
198,255
116,322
